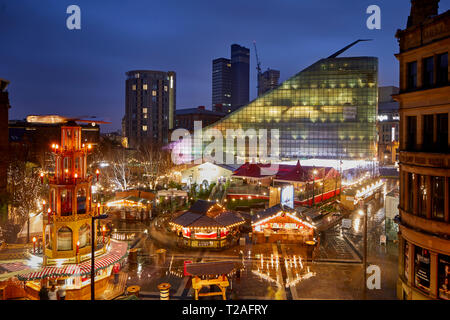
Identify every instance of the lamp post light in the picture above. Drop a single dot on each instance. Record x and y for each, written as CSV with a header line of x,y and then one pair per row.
x,y
42,177
97,172
34,244
314,179
363,212
98,217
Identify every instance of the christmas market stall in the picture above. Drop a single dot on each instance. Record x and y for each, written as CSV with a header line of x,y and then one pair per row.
x,y
206,224
311,184
361,191
76,277
282,224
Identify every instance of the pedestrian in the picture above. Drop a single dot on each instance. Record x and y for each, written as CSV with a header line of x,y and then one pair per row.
x,y
52,293
43,292
116,273
62,292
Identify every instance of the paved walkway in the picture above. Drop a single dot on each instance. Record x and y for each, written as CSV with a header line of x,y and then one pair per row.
x,y
115,290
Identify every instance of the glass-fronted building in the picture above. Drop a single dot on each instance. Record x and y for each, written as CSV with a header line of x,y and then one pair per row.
x,y
326,111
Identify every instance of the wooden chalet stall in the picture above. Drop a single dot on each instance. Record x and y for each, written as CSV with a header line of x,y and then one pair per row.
x,y
282,224
206,224
131,205
311,184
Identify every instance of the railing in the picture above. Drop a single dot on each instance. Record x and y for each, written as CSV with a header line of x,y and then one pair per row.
x,y
71,180
425,159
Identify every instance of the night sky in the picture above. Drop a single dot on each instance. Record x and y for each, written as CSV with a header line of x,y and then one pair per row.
x,y
81,73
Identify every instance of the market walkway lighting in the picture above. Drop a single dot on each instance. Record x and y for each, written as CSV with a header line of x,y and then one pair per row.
x,y
34,244
99,217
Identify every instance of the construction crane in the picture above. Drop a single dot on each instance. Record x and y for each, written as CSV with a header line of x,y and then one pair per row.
x,y
258,67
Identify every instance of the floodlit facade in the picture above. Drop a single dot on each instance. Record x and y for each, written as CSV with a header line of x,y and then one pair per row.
x,y
326,111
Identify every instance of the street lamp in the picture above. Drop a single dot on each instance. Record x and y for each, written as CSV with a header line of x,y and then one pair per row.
x,y
34,244
314,178
99,217
363,213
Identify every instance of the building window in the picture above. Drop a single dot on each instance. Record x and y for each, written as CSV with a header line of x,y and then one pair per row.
x,y
428,131
422,268
410,190
144,128
133,87
442,132
145,87
444,276
154,93
438,198
412,75
144,110
411,130
442,69
422,206
428,72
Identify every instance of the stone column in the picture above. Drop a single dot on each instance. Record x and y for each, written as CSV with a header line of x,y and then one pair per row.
x,y
411,264
447,200
433,274
405,192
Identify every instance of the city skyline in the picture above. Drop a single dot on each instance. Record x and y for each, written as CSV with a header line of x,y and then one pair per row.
x,y
39,43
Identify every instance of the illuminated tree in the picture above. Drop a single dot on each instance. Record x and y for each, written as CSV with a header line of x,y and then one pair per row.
x,y
25,190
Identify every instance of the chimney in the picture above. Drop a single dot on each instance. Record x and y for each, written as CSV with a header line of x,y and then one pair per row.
x,y
422,10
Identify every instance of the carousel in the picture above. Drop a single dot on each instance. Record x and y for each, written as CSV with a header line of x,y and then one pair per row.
x,y
67,227
206,224
280,223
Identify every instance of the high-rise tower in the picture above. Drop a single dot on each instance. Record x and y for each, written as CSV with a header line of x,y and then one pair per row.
x,y
150,103
240,76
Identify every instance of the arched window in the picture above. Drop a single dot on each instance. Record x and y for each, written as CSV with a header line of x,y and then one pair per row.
x,y
84,235
81,201
64,239
66,202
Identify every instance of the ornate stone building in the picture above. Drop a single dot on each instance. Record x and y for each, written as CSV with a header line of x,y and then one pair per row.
x,y
424,98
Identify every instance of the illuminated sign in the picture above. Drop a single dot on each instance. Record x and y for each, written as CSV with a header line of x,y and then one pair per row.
x,y
287,196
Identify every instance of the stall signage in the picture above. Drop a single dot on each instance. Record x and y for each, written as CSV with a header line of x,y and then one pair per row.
x,y
346,223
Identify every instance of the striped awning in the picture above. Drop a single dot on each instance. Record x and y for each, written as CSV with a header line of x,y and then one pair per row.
x,y
117,252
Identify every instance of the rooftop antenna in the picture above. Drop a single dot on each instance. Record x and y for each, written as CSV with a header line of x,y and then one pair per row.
x,y
334,55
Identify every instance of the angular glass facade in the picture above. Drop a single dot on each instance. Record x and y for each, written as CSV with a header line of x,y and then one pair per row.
x,y
327,111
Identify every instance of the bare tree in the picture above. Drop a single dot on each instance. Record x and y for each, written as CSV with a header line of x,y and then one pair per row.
x,y
25,191
154,162
119,171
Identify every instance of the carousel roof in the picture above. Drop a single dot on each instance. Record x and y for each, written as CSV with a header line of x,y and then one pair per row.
x,y
117,252
197,216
